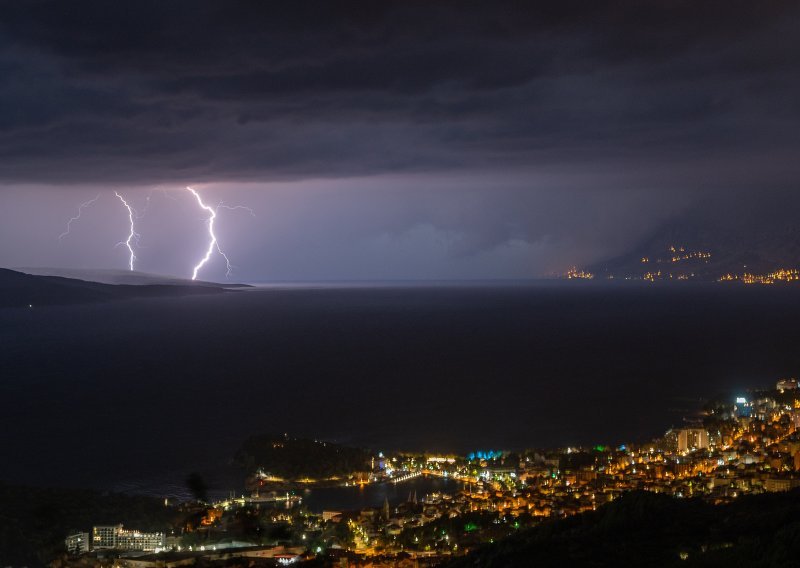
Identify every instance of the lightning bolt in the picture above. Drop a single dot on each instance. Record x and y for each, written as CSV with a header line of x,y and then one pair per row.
x,y
132,235
81,207
213,242
235,207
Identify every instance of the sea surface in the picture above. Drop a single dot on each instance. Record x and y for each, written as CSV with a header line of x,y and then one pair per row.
x,y
374,495
227,482
134,395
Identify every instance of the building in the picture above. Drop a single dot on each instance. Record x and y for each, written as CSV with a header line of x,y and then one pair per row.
x,y
135,540
77,543
330,515
786,384
669,442
692,439
776,484
743,408
104,536
118,538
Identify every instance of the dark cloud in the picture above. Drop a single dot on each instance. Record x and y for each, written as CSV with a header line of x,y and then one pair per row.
x,y
212,91
393,139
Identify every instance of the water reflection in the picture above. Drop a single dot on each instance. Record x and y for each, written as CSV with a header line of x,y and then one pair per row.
x,y
352,498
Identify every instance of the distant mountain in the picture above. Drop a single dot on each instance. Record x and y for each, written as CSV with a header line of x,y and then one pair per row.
x,y
23,290
691,251
111,276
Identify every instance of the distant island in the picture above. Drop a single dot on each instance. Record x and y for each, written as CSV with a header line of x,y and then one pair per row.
x,y
280,461
118,276
21,290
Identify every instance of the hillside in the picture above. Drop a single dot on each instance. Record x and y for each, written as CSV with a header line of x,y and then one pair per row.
x,y
646,529
699,251
292,458
34,521
24,290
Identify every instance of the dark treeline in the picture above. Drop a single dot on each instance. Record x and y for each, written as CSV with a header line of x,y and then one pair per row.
x,y
35,521
297,458
647,529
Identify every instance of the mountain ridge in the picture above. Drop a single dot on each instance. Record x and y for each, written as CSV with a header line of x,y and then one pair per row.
x,y
686,250
21,290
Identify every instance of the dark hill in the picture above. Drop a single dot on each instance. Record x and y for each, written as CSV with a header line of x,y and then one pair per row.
x,y
297,458
34,521
646,529
118,276
705,251
23,290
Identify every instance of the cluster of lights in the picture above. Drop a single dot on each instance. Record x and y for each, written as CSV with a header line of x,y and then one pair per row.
x,y
780,275
689,255
676,254
679,253
574,273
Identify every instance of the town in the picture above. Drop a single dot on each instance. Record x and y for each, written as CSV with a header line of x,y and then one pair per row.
x,y
747,445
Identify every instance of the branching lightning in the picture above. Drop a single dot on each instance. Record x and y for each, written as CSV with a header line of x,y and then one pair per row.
x,y
213,242
81,207
132,235
235,207
132,240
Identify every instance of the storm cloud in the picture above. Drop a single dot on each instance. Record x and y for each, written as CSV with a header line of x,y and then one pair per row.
x,y
217,91
565,130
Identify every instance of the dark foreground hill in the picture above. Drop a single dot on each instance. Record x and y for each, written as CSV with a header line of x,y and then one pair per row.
x,y
23,290
35,521
646,529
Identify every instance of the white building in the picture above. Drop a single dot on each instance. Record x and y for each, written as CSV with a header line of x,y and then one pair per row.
x,y
118,538
78,543
104,536
135,540
692,439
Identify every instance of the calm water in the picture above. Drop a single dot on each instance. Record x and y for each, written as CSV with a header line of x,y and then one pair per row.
x,y
223,482
351,498
144,392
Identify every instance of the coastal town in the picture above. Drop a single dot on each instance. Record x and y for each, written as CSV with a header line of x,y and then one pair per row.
x,y
683,263
747,445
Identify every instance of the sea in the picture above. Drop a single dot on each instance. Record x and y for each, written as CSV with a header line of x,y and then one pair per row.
x,y
135,395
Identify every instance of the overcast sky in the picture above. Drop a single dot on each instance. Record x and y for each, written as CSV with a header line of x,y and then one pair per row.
x,y
386,140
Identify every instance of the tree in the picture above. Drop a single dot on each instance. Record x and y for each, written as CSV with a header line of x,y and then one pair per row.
x,y
197,485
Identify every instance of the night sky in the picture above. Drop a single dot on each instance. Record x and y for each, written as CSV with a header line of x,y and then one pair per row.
x,y
376,140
